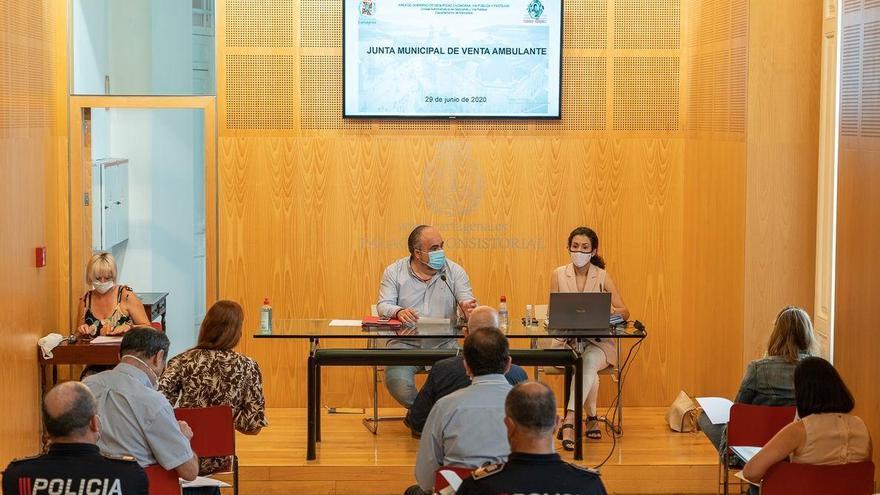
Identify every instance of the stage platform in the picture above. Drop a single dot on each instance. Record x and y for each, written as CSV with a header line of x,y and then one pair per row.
x,y
649,458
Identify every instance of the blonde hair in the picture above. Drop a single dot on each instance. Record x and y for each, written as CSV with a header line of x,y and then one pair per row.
x,y
792,335
100,265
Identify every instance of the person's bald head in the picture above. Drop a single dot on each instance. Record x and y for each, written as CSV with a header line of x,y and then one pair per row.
x,y
482,317
531,406
69,409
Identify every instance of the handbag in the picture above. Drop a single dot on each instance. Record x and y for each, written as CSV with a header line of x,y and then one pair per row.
x,y
683,413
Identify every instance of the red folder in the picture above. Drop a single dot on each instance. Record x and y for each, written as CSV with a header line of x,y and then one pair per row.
x,y
376,322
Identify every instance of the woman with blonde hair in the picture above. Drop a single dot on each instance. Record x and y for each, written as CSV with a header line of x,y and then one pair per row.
x,y
213,374
108,308
770,381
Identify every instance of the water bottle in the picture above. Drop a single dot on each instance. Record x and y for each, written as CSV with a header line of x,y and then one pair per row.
x,y
503,317
266,318
530,315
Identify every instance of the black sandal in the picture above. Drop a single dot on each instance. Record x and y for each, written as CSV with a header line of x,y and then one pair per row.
x,y
592,430
567,445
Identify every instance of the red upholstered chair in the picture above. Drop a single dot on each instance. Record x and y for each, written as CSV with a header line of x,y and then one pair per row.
x,y
157,325
752,426
162,481
807,479
441,486
213,434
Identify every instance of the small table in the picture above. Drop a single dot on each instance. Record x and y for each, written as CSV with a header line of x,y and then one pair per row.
x,y
154,304
315,330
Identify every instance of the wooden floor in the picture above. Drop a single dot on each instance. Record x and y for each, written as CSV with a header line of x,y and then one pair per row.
x,y
648,458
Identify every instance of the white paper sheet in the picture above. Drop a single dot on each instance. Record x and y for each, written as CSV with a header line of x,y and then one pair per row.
x,y
452,478
107,339
204,481
745,453
426,320
717,408
739,474
345,323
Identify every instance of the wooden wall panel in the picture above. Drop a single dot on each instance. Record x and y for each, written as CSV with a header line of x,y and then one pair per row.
x,y
30,145
783,147
300,221
858,214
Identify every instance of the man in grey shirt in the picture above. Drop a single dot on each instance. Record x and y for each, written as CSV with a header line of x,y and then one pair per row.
x,y
414,287
466,428
136,419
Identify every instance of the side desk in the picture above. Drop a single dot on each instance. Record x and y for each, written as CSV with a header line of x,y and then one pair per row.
x,y
154,304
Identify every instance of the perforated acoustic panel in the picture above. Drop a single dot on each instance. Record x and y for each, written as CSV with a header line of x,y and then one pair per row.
x,y
646,92
260,91
320,97
261,23
850,77
321,23
583,95
586,24
870,126
647,24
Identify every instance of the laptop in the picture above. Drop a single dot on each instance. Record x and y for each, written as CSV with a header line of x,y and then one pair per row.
x,y
580,311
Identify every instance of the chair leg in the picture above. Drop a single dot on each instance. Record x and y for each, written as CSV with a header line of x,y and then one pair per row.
x,y
619,426
235,475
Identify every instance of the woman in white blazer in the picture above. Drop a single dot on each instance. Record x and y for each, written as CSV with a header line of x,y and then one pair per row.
x,y
586,273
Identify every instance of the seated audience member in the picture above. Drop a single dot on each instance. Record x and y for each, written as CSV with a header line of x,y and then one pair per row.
x,y
73,464
466,428
533,466
138,420
449,375
212,374
825,431
769,381
108,308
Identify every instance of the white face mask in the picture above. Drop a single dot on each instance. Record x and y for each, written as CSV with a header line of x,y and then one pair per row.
x,y
103,287
580,259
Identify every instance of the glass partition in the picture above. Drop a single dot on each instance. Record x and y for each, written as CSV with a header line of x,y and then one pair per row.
x,y
143,47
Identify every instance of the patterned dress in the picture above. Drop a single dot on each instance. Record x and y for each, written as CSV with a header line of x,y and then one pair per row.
x,y
203,378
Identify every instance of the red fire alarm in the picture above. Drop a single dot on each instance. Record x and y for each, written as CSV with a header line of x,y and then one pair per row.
x,y
41,256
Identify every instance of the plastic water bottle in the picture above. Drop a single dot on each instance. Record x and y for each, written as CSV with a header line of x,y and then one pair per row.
x,y
503,316
266,318
530,315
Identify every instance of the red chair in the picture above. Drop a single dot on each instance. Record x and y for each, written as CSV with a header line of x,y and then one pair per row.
x,y
807,479
752,426
157,325
213,434
441,486
162,481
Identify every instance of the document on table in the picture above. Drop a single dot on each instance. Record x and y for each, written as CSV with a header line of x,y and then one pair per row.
x,y
745,453
345,323
716,408
201,481
107,339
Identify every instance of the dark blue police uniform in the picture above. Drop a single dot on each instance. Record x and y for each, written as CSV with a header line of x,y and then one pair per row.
x,y
533,473
74,468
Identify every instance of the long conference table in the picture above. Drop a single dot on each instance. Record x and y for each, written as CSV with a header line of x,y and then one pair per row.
x,y
316,330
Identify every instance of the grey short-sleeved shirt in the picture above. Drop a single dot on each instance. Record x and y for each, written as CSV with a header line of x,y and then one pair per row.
x,y
136,419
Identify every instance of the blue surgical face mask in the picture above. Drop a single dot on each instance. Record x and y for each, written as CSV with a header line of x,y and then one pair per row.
x,y
436,259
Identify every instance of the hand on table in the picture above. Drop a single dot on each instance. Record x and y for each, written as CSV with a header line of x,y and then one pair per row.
x,y
408,316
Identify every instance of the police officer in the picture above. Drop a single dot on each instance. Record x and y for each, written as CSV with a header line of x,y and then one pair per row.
x,y
73,463
533,465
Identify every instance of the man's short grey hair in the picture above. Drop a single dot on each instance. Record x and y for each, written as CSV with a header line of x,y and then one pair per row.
x,y
75,417
532,405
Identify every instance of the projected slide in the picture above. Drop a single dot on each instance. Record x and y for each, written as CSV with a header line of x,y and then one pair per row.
x,y
452,58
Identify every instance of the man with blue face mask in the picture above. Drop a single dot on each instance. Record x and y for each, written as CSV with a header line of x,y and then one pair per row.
x,y
414,287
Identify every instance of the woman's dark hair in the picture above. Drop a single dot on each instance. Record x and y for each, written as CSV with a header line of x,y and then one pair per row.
x,y
818,388
594,241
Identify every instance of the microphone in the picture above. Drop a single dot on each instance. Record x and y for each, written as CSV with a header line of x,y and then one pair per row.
x,y
457,303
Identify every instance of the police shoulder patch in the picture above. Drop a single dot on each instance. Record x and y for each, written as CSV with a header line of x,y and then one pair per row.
x,y
488,470
126,458
585,468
